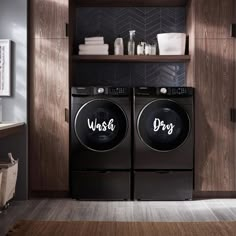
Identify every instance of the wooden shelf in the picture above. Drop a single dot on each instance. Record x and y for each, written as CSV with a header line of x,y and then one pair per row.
x,y
137,59
131,3
11,129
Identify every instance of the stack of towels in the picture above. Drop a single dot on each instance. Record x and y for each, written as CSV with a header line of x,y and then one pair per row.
x,y
94,46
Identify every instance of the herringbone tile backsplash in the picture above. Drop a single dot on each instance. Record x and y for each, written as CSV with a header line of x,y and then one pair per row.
x,y
114,22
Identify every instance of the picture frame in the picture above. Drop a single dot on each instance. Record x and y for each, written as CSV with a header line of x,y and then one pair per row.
x,y
5,67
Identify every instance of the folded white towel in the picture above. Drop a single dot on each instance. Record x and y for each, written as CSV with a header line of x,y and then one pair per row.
x,y
93,53
94,47
94,39
94,42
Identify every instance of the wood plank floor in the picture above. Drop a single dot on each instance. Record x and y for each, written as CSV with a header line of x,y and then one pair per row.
x,y
67,209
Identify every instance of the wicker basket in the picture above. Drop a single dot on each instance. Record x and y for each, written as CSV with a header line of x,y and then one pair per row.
x,y
8,182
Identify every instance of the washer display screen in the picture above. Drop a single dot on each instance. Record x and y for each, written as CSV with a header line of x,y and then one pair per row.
x,y
163,125
100,125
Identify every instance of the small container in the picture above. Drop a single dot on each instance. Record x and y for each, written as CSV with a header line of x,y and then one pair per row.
x,y
140,48
119,46
172,43
154,49
131,43
148,49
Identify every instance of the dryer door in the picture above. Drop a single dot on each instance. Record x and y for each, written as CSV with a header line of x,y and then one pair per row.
x,y
163,125
100,125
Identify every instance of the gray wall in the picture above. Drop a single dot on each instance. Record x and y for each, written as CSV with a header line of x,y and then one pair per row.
x,y
13,26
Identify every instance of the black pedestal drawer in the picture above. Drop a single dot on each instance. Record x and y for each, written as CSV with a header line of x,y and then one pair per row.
x,y
107,185
163,185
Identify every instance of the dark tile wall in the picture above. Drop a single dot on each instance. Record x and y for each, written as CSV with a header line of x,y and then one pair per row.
x,y
111,22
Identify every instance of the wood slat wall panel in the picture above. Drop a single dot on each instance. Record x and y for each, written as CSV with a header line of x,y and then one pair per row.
x,y
48,18
213,18
49,133
214,156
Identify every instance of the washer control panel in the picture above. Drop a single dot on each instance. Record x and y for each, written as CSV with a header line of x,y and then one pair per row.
x,y
118,91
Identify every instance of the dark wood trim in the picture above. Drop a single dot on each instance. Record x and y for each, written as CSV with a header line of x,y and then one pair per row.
x,y
190,68
120,59
11,131
131,3
213,194
49,194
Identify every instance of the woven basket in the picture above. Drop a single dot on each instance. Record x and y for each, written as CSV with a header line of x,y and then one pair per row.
x,y
8,182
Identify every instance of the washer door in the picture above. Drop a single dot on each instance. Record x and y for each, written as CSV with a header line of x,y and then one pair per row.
x,y
163,125
100,125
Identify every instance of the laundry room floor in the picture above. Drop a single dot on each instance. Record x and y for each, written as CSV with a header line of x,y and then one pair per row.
x,y
67,209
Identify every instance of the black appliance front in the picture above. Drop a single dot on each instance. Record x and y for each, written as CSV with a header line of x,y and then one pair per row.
x,y
100,146
101,185
163,143
163,185
164,129
100,128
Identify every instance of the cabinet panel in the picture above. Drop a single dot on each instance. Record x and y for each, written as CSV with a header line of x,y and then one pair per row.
x,y
48,18
49,133
213,18
214,80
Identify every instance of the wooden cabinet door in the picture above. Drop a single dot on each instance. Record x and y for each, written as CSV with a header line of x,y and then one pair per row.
x,y
49,132
48,18
215,163
213,18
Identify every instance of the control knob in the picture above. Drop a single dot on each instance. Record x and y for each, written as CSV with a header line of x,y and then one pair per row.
x,y
101,90
163,90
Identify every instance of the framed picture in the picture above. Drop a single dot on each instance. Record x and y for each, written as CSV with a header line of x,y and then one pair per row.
x,y
5,67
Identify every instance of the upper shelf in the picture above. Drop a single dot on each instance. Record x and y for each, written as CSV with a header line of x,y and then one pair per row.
x,y
134,3
120,59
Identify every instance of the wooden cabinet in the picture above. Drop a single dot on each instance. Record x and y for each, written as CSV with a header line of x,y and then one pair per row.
x,y
49,132
213,18
48,18
212,73
49,97
215,133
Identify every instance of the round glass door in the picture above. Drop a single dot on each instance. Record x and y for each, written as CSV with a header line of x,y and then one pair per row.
x,y
100,125
163,125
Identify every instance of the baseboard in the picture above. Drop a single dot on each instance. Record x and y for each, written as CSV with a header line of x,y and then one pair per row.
x,y
49,194
196,194
213,194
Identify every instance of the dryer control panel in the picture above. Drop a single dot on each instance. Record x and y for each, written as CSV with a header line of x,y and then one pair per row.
x,y
164,91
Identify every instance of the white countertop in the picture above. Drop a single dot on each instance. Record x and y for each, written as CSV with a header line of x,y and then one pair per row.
x,y
8,125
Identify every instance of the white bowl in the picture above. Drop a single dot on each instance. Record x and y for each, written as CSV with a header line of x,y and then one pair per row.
x,y
172,43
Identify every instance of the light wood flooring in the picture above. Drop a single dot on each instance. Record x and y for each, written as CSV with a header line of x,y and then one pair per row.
x,y
67,209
